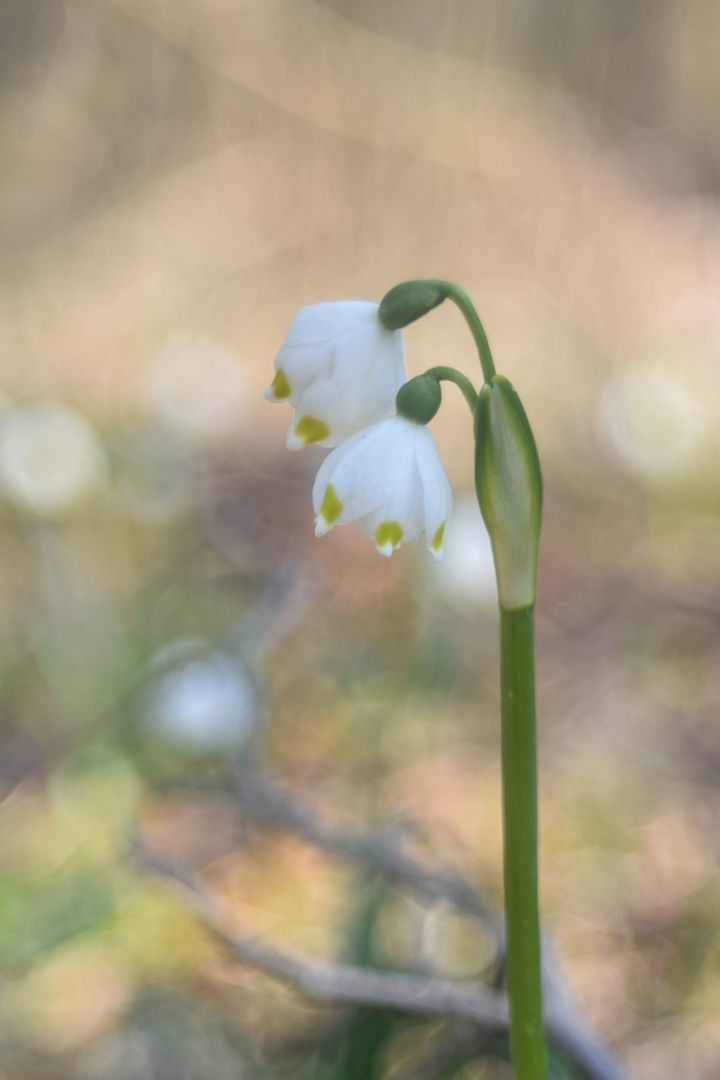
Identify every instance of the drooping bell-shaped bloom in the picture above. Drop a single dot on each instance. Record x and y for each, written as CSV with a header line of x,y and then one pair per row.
x,y
391,479
340,369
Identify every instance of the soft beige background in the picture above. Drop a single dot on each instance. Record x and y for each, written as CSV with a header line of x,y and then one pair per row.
x,y
195,171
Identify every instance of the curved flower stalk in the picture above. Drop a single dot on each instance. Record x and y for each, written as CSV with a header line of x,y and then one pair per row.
x,y
391,479
340,369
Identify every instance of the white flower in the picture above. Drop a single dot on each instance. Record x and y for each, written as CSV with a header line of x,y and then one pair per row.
x,y
652,421
467,574
340,369
205,700
391,479
50,458
197,386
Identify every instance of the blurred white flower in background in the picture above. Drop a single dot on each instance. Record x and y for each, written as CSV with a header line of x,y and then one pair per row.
x,y
197,386
50,458
201,698
652,422
466,576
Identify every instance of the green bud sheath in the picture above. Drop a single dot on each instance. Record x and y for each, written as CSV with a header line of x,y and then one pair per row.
x,y
419,399
509,490
410,301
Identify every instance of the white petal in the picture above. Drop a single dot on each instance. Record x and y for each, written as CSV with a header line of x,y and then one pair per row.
x,y
364,479
321,322
437,492
403,502
323,400
390,474
359,471
373,365
355,389
303,365
293,441
327,469
322,527
343,368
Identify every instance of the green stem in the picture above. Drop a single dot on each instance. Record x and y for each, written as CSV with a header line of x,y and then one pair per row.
x,y
461,299
519,773
410,300
450,374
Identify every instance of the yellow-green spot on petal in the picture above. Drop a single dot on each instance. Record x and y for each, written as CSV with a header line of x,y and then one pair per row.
x,y
331,508
388,532
437,539
280,385
311,430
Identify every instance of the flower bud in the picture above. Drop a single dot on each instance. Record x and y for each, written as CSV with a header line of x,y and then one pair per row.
x,y
419,399
410,301
509,490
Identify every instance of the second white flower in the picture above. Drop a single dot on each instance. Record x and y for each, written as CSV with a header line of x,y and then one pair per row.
x,y
391,479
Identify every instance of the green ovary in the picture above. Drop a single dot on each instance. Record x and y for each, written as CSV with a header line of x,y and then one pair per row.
x,y
311,430
331,508
280,385
437,539
388,532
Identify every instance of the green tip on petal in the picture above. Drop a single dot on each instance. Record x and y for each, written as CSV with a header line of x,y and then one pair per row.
x,y
330,511
388,536
308,430
279,389
436,548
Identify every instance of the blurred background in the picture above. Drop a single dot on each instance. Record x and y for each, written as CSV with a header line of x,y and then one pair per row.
x,y
177,179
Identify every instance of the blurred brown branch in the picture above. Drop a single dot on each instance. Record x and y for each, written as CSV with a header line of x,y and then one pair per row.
x,y
340,983
386,849
383,849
